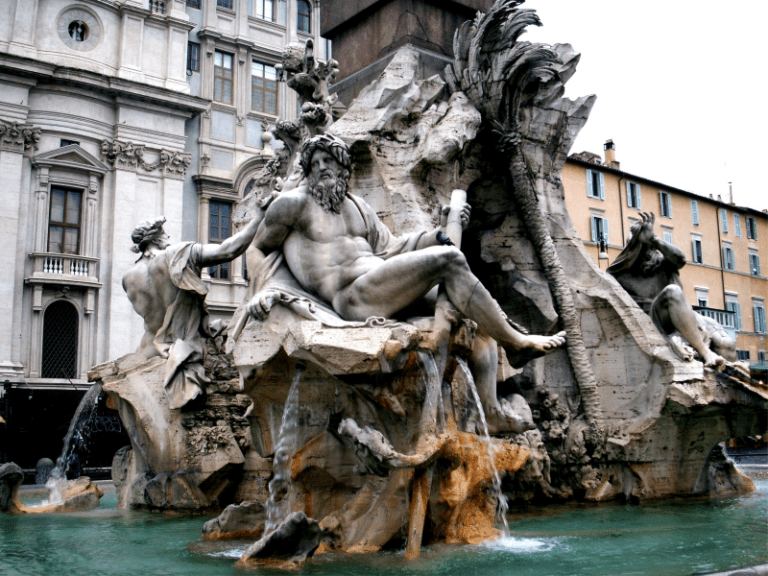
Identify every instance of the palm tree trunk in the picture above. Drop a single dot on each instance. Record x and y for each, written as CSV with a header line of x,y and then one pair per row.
x,y
560,287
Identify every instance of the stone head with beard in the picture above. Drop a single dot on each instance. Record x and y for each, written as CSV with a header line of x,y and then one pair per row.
x,y
328,185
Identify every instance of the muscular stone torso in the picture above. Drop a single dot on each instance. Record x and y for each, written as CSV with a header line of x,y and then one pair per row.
x,y
150,289
326,251
645,288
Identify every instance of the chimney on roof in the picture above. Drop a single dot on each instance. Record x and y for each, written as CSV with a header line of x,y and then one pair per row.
x,y
730,193
610,155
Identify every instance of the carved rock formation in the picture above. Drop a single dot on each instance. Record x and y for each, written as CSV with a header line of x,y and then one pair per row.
x,y
65,496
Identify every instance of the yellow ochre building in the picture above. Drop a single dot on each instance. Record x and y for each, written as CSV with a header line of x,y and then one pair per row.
x,y
726,246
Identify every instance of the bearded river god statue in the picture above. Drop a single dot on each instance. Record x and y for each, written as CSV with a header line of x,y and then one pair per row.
x,y
377,385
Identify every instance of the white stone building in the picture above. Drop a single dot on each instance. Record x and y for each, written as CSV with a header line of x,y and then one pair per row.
x,y
111,112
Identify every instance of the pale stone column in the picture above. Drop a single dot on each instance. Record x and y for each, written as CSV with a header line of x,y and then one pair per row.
x,y
131,45
175,68
291,12
90,222
42,204
11,281
123,326
24,23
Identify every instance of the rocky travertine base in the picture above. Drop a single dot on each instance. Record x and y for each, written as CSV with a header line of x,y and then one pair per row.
x,y
188,459
66,496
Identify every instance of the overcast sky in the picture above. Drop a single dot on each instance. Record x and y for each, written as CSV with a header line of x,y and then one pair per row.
x,y
680,84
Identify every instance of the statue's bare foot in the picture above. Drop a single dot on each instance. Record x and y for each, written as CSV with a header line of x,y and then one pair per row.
x,y
510,416
713,360
533,347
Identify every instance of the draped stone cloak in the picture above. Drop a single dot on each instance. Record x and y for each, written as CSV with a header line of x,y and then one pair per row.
x,y
180,338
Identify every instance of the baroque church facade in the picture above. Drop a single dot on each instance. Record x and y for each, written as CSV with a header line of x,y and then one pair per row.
x,y
113,112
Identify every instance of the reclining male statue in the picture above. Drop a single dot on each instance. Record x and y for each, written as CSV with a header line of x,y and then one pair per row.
x,y
165,289
648,269
338,250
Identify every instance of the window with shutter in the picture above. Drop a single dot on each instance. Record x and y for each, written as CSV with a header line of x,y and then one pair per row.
x,y
734,307
698,257
633,195
754,264
695,212
724,220
737,225
728,259
751,228
758,311
595,187
665,200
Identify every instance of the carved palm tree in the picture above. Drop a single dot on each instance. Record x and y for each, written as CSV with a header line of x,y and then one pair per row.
x,y
502,77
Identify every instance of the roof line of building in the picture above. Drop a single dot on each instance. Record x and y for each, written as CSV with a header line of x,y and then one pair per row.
x,y
623,174
111,85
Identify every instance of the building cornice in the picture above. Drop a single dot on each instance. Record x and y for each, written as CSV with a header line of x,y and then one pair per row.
x,y
664,187
109,85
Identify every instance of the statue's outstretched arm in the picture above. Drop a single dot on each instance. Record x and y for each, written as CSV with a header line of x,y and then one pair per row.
x,y
232,247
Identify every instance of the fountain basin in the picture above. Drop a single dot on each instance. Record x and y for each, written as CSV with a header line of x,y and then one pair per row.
x,y
63,495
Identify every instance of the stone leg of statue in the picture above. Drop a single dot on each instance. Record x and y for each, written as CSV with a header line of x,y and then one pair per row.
x,y
502,414
674,313
401,280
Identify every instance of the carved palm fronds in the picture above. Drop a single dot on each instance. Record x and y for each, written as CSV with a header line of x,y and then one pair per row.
x,y
502,76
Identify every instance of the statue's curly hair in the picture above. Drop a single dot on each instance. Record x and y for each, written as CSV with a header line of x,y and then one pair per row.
x,y
145,233
335,146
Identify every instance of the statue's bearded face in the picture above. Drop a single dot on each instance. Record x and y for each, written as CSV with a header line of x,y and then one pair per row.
x,y
327,181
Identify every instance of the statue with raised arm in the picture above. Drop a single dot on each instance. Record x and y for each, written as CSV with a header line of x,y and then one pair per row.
x,y
337,249
165,289
648,269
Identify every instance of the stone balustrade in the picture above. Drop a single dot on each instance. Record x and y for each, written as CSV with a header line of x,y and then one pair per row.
x,y
55,268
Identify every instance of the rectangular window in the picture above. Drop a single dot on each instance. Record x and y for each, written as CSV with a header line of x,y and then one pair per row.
x,y
742,354
222,77
751,228
698,256
224,4
64,142
761,356
759,316
754,264
695,212
263,9
666,235
219,229
633,195
193,4
64,221
728,259
737,225
595,187
263,88
304,17
665,200
599,229
724,220
193,57
734,307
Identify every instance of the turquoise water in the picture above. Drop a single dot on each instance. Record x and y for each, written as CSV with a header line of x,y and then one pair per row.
x,y
678,537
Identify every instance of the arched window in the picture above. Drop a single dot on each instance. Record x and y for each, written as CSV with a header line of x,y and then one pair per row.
x,y
60,326
304,16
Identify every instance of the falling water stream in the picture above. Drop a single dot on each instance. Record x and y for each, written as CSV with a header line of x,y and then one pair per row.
x,y
503,508
77,436
280,484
